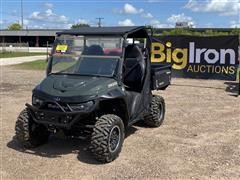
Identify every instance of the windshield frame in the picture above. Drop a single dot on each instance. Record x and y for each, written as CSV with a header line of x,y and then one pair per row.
x,y
115,73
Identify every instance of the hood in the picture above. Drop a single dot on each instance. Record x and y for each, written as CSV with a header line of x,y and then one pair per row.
x,y
71,85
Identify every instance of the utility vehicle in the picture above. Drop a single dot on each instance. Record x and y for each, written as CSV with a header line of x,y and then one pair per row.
x,y
97,85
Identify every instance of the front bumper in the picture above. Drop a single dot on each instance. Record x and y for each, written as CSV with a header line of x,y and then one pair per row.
x,y
61,119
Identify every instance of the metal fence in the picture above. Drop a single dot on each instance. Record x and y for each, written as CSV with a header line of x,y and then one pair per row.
x,y
14,47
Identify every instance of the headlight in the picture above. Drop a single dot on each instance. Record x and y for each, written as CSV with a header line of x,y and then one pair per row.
x,y
82,106
36,101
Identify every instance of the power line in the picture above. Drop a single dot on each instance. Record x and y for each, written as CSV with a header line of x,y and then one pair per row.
x,y
99,21
22,12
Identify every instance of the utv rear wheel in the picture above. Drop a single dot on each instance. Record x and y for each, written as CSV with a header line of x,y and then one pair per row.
x,y
107,138
157,112
29,133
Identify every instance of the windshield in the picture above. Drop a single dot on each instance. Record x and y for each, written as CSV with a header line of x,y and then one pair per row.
x,y
81,55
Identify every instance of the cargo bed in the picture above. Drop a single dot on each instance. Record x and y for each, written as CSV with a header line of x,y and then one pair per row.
x,y
160,76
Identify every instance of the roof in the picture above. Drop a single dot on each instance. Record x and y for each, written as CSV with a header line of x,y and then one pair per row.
x,y
30,32
52,32
118,30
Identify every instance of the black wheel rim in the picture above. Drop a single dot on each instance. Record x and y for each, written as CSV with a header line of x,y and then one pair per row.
x,y
114,139
160,113
34,130
37,131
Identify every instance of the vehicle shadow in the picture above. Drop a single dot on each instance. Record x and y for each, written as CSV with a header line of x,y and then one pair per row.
x,y
140,124
59,146
232,88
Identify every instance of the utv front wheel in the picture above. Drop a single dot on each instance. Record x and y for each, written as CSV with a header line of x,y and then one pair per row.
x,y
107,138
157,112
29,133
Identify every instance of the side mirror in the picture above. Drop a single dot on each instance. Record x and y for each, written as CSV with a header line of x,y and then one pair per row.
x,y
49,65
49,57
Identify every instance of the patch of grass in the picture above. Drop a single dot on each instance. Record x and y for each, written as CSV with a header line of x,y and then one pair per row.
x,y
20,54
33,65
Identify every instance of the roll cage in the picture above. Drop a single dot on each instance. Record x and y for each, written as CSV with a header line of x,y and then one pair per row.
x,y
133,32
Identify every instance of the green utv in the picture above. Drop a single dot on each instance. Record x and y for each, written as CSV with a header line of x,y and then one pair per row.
x,y
98,83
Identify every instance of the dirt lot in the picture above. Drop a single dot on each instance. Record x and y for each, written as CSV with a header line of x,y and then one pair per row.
x,y
199,139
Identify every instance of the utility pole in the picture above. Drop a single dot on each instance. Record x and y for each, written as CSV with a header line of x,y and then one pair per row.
x,y
99,21
22,12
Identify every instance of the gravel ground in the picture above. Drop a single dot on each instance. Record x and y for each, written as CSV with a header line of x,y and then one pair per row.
x,y
199,139
18,60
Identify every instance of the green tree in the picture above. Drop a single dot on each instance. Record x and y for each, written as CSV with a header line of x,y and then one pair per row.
x,y
235,31
177,31
14,27
79,25
193,32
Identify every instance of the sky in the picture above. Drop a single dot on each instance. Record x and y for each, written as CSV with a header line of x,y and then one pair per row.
x,y
61,14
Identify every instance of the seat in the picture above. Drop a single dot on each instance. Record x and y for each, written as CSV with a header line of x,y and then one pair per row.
x,y
135,68
93,50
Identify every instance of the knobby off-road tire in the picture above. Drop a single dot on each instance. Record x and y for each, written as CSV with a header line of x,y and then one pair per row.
x,y
107,138
29,133
157,112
